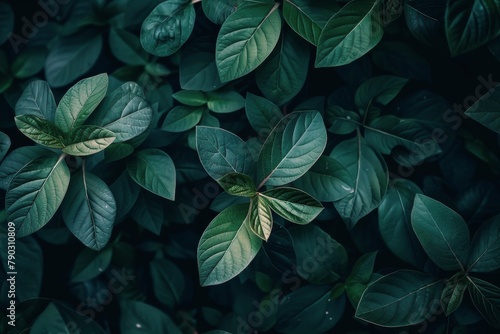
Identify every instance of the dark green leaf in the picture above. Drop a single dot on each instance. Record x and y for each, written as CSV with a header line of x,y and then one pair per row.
x,y
80,101
369,173
71,57
168,27
381,89
16,160
486,110
49,318
485,249
125,112
320,258
36,192
343,121
284,73
191,98
362,269
307,18
197,69
89,210
149,212
217,11
169,282
471,24
40,131
153,170
221,152
140,318
425,20
90,264
292,204
4,145
453,293
327,180
486,299
225,101
402,298
118,151
444,235
253,26
227,246
37,99
394,222
182,118
262,114
291,149
350,33
125,191
127,47
87,139
310,308
29,62
6,21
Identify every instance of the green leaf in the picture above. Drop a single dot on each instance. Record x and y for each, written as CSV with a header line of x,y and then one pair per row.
x,y
71,57
168,27
40,130
89,264
444,235
292,204
327,180
182,118
284,73
148,211
485,249
197,69
425,20
380,89
227,246
402,298
486,110
237,184
225,101
369,173
37,100
191,98
6,21
125,112
29,62
359,277
87,139
246,39
89,210
153,170
262,114
36,192
259,218
140,318
49,318
486,299
350,33
125,191
127,47
291,149
309,309
343,121
320,258
4,145
16,160
453,293
387,132
28,265
307,18
221,152
117,151
394,222
217,11
80,101
471,24
168,281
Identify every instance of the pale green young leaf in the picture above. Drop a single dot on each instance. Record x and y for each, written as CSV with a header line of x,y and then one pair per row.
x,y
453,292
40,130
237,184
225,101
87,139
259,218
193,98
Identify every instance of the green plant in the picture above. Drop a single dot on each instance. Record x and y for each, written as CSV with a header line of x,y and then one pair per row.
x,y
257,166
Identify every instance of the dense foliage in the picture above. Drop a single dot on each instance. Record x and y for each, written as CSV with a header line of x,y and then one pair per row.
x,y
258,166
